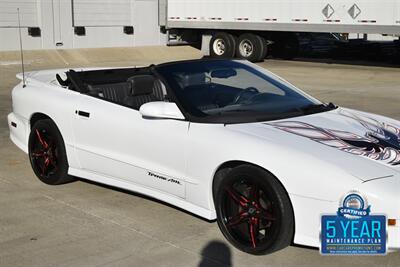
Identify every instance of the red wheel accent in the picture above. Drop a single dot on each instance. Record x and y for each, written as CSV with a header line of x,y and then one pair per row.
x,y
253,210
266,216
248,213
238,198
47,153
253,231
238,219
44,156
38,154
41,140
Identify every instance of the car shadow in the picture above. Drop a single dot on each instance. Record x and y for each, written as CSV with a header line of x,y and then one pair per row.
x,y
215,253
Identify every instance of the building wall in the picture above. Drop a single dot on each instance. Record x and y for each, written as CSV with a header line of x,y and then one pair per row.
x,y
79,23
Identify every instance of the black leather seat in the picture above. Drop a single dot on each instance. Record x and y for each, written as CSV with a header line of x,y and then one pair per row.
x,y
159,90
115,92
142,91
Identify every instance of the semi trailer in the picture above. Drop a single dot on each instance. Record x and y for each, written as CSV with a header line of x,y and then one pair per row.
x,y
251,29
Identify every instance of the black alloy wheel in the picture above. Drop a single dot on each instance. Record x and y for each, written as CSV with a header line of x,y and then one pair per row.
x,y
47,153
253,211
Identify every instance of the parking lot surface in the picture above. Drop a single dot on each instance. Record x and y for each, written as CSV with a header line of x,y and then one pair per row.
x,y
86,224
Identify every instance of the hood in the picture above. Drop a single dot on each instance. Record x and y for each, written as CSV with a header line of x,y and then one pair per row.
x,y
364,145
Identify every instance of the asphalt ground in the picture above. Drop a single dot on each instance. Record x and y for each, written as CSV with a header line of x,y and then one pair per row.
x,y
87,224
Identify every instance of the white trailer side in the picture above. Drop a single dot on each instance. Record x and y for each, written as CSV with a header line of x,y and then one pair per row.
x,y
260,17
360,16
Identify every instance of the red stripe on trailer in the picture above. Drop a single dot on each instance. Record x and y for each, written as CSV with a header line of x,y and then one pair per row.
x,y
297,20
242,18
216,18
270,19
367,21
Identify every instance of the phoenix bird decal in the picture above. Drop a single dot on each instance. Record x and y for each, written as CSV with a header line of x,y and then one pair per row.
x,y
381,141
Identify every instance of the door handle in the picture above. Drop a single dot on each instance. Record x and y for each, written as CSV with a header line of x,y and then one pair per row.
x,y
83,113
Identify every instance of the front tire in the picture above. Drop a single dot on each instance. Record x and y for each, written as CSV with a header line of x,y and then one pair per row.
x,y
47,153
254,212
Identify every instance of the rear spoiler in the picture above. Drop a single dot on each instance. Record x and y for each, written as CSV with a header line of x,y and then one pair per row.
x,y
27,75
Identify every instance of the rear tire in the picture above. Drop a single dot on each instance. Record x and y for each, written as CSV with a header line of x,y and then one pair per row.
x,y
254,212
251,47
222,45
47,153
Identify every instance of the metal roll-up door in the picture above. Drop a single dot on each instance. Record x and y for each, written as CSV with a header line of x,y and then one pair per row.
x,y
92,13
102,23
29,14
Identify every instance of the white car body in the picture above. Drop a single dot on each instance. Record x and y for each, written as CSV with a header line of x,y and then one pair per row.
x,y
175,160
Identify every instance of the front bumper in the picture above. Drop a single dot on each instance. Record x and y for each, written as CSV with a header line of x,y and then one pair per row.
x,y
382,194
19,131
384,197
394,237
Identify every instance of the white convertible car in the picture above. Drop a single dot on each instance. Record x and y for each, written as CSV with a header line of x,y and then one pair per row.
x,y
222,139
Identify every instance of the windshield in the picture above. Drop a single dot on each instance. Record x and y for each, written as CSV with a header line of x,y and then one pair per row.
x,y
231,91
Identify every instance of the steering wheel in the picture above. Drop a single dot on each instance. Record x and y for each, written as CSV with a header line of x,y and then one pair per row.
x,y
243,92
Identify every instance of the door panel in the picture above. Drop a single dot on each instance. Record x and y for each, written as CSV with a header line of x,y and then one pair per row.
x,y
62,23
116,141
95,13
104,22
145,19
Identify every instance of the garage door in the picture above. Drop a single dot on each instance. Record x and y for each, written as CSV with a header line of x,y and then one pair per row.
x,y
28,10
29,15
145,18
102,12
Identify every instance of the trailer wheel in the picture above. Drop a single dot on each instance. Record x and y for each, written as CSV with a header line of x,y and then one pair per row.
x,y
223,45
251,47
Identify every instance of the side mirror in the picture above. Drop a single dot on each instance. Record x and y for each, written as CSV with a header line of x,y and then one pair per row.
x,y
161,110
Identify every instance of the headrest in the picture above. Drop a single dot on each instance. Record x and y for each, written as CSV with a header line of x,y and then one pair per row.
x,y
193,79
142,84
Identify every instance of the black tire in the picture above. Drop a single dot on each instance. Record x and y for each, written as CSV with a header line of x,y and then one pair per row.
x,y
222,45
265,46
286,46
251,47
47,153
254,212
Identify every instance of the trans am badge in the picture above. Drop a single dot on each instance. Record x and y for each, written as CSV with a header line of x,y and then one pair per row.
x,y
353,230
380,142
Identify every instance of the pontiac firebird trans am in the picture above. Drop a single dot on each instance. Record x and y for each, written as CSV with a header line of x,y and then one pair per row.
x,y
222,139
